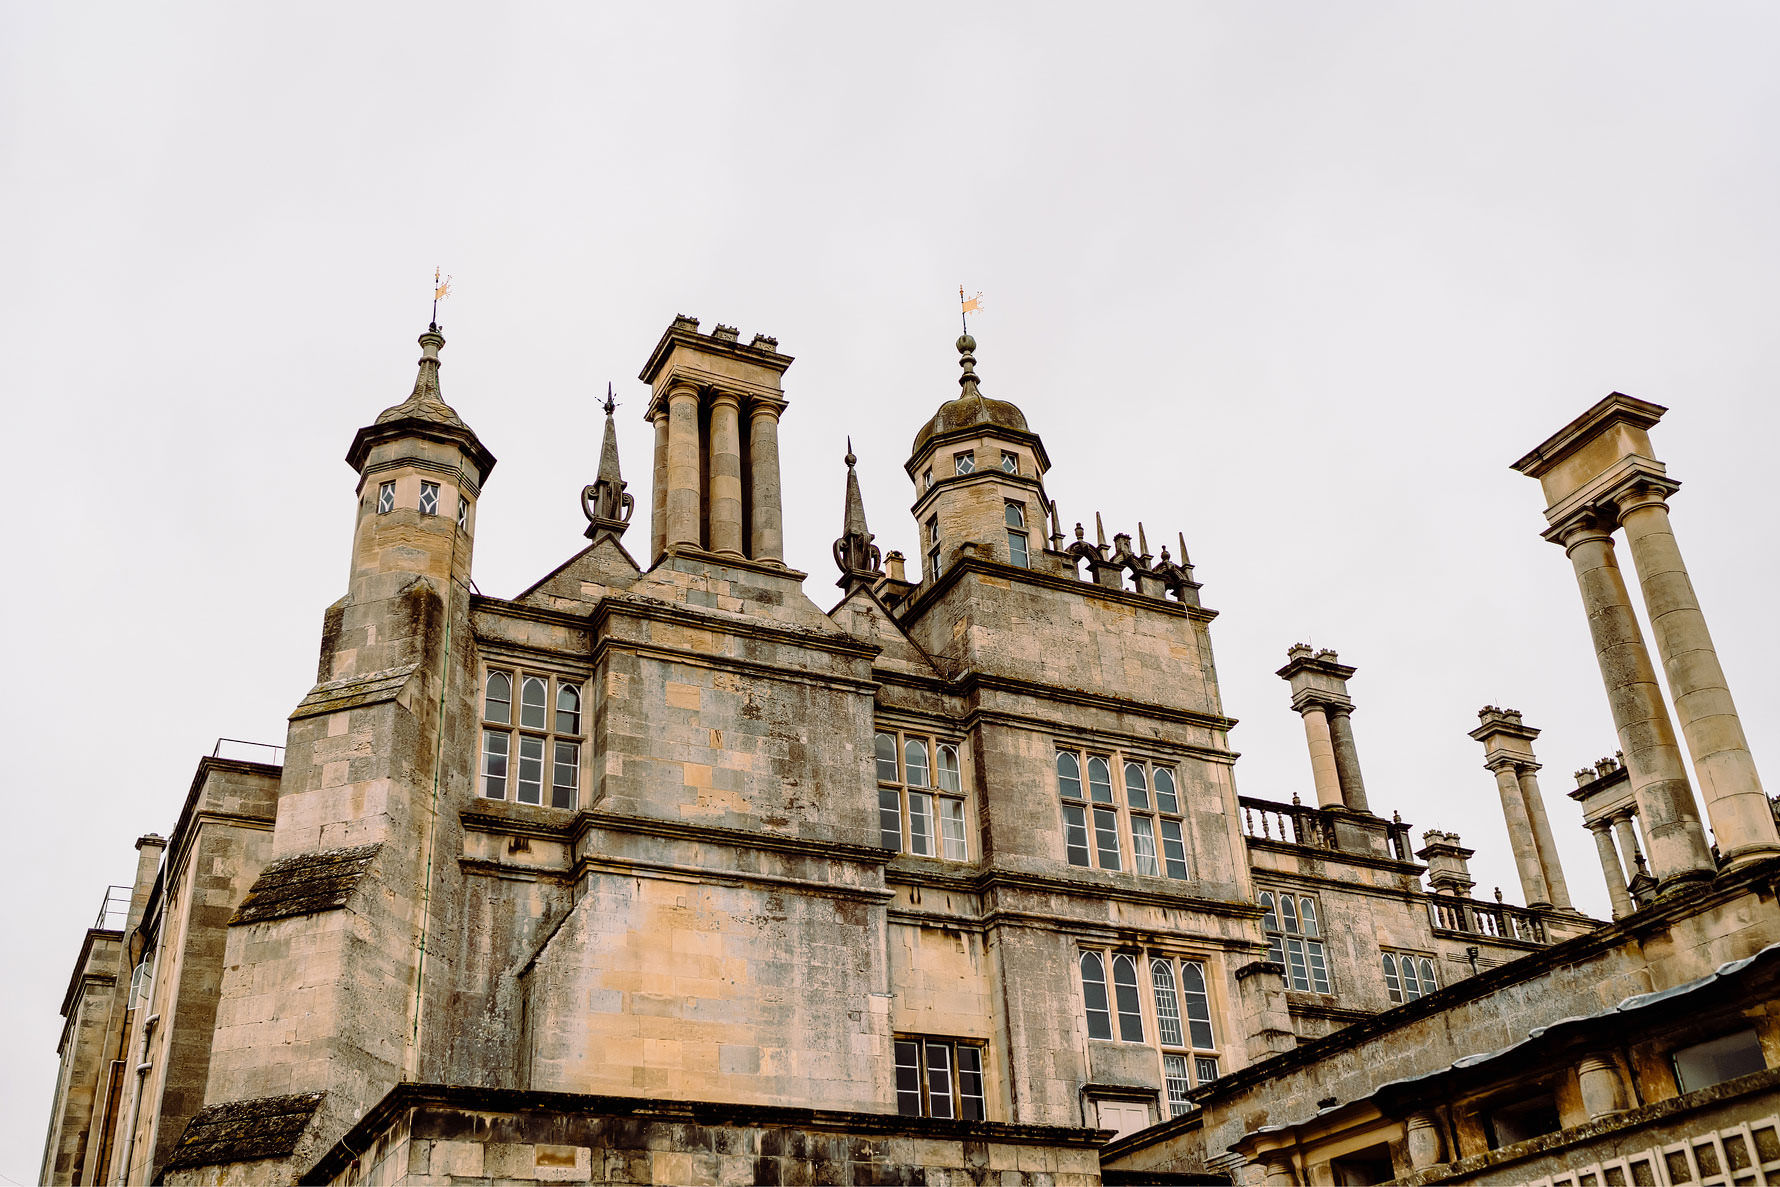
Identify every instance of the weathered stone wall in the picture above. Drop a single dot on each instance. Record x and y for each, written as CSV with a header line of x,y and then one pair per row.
x,y
86,1062
1664,946
216,853
424,1134
764,988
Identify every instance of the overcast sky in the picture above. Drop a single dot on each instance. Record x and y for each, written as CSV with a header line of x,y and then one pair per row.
x,y
1297,281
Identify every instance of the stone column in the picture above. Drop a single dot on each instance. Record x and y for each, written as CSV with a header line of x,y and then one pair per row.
x,y
658,506
682,467
1603,1092
1520,835
1616,880
1322,756
1421,1140
1627,832
1678,850
1546,844
1347,758
726,474
1278,1165
768,543
1735,801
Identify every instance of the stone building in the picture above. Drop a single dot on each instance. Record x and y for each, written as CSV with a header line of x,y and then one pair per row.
x,y
660,872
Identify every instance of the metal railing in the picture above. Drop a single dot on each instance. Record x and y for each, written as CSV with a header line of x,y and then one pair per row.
x,y
114,909
244,751
1497,921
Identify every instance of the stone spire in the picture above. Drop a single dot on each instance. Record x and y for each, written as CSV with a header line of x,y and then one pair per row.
x,y
607,507
854,553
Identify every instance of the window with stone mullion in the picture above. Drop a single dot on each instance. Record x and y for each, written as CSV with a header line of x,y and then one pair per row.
x,y
939,1078
1091,821
537,750
920,795
1294,939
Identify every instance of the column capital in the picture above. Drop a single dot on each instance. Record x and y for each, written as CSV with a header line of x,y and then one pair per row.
x,y
719,397
1585,526
1620,816
1304,700
759,405
1600,824
1637,491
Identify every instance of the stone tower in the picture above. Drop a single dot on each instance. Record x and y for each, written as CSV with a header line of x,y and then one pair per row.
x,y
320,1001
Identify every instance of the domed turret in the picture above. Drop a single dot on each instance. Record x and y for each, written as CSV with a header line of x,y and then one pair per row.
x,y
972,408
978,473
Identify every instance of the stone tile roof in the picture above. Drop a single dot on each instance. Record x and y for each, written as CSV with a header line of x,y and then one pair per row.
x,y
244,1130
305,884
354,692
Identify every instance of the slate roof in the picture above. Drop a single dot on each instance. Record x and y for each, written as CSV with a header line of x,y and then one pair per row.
x,y
244,1130
305,884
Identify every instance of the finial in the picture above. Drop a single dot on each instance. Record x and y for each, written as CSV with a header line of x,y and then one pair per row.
x,y
854,553
1078,530
967,362
1099,531
1181,536
440,289
607,507
1143,545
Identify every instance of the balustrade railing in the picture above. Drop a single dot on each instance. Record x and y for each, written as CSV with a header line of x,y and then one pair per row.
x,y
1295,824
1494,920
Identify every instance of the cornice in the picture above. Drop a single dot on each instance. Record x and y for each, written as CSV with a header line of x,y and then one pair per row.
x,y
651,609
736,838
706,875
1410,869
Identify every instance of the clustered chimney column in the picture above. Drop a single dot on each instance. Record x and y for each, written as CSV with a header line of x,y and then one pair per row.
x,y
1322,756
1319,694
726,474
1508,754
1678,849
1543,841
658,500
682,466
1616,881
1735,801
768,536
1347,757
1520,835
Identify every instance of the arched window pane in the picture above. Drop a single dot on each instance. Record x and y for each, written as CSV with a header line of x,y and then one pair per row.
x,y
1125,991
1198,1004
1165,797
1271,922
1412,988
1016,516
1099,780
1288,909
1137,787
497,705
1069,776
914,761
532,698
1429,985
1167,1004
1392,986
1307,912
948,769
886,751
1094,997
568,709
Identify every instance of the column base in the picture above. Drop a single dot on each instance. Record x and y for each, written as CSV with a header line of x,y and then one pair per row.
x,y
1684,883
1738,858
